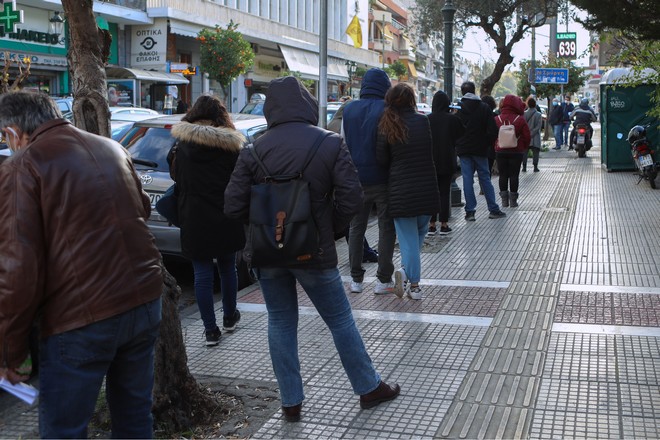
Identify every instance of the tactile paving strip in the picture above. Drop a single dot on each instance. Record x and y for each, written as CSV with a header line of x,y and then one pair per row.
x,y
497,397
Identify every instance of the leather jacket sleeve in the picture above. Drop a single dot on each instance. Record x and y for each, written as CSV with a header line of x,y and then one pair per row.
x,y
21,260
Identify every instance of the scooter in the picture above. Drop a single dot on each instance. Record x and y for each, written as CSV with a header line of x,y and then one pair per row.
x,y
642,154
582,139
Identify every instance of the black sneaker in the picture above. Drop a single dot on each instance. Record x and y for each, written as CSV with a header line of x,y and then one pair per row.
x,y
212,337
496,214
469,216
431,232
229,324
444,230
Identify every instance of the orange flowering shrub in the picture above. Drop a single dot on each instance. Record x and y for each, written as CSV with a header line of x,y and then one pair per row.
x,y
225,54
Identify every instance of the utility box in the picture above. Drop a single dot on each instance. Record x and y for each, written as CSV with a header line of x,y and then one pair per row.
x,y
621,108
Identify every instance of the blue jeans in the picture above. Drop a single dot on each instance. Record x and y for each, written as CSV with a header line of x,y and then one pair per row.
x,y
72,366
411,232
324,287
558,131
204,287
470,164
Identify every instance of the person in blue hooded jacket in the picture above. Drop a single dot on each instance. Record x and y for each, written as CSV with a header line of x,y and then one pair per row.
x,y
360,131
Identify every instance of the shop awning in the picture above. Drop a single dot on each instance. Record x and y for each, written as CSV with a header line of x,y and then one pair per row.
x,y
385,30
411,68
182,28
307,64
145,75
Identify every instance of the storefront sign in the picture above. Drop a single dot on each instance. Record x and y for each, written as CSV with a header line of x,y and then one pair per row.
x,y
149,45
49,60
32,32
9,16
120,92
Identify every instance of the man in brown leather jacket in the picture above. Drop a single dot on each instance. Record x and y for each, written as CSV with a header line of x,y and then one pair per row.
x,y
75,252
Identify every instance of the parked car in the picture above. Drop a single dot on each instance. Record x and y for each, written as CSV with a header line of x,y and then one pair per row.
x,y
255,106
66,107
332,109
118,112
423,108
148,142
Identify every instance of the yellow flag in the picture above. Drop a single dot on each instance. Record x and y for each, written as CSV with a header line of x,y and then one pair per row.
x,y
354,30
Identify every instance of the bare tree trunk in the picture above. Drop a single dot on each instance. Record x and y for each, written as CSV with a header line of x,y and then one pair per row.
x,y
179,401
89,49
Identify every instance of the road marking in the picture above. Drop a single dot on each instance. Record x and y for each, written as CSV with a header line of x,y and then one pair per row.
x,y
608,289
457,283
606,329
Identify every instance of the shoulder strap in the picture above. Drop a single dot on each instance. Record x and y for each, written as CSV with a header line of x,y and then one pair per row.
x,y
500,118
308,159
514,120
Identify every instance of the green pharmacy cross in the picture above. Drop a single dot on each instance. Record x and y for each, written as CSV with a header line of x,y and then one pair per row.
x,y
10,17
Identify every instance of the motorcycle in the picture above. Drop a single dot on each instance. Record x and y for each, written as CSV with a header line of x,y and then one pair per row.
x,y
581,139
642,154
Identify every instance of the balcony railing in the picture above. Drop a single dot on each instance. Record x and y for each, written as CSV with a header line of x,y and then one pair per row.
x,y
133,4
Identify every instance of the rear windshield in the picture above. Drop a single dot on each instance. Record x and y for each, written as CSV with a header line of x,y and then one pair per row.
x,y
150,144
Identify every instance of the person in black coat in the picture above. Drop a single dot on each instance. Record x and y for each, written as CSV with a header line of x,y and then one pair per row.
x,y
292,116
445,129
206,152
405,146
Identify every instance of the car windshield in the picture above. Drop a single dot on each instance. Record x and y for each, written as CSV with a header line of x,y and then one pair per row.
x,y
151,144
253,108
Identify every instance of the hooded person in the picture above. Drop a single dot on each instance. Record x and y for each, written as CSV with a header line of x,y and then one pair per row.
x,y
509,160
292,116
583,114
556,116
360,131
445,129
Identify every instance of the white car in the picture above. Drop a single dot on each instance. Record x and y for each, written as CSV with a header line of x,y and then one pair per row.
x,y
423,108
116,111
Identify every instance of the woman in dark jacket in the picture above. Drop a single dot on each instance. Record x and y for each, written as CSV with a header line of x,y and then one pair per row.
x,y
405,146
445,129
206,152
510,159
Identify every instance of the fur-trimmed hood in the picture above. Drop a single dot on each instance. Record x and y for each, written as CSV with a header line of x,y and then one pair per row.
x,y
203,133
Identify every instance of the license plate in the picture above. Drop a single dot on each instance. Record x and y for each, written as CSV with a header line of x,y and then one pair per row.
x,y
154,197
580,139
645,160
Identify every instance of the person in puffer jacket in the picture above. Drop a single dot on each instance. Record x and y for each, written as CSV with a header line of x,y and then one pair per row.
x,y
509,160
406,147
292,116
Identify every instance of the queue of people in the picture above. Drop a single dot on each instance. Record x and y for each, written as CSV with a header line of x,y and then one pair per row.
x,y
385,154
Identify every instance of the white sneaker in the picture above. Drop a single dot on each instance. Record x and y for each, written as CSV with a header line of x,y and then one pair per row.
x,y
383,288
400,279
356,287
414,292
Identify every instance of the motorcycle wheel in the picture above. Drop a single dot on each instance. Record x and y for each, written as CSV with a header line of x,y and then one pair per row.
x,y
580,150
651,175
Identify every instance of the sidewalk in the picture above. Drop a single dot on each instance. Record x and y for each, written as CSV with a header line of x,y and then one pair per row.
x,y
545,324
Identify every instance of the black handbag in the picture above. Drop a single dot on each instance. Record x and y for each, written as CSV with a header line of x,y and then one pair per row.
x,y
282,230
168,205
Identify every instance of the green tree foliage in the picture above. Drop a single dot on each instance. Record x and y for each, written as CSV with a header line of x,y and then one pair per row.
x,y
644,59
576,78
505,23
225,54
638,17
396,70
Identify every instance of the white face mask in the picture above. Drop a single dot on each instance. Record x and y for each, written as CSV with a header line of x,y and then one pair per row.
x,y
15,135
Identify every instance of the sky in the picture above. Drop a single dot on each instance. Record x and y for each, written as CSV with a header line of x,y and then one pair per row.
x,y
478,46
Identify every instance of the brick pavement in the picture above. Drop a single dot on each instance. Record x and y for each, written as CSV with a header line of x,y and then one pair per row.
x,y
540,325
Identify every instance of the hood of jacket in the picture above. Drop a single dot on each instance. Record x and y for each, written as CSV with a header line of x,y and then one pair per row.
x,y
287,100
513,104
203,133
440,102
375,84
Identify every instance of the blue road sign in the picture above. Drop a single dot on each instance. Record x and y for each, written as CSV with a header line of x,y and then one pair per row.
x,y
551,76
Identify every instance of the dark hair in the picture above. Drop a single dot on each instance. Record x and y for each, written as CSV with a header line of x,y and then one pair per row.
x,y
531,102
27,110
490,101
468,87
399,98
209,108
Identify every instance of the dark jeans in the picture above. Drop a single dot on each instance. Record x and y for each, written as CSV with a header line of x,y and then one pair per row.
x,y
72,366
509,167
535,157
444,187
204,277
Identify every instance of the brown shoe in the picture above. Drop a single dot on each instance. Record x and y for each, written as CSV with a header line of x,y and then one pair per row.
x,y
383,393
292,413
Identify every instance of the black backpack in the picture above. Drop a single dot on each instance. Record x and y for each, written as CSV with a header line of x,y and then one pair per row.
x,y
282,230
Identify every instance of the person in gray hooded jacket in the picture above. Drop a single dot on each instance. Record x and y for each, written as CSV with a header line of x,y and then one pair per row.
x,y
292,116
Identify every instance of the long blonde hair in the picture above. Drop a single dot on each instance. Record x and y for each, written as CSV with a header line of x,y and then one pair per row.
x,y
397,99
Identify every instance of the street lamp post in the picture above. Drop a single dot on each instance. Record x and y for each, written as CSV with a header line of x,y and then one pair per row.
x,y
351,67
448,11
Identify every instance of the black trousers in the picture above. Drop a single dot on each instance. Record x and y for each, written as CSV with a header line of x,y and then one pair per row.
x,y
444,187
509,167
